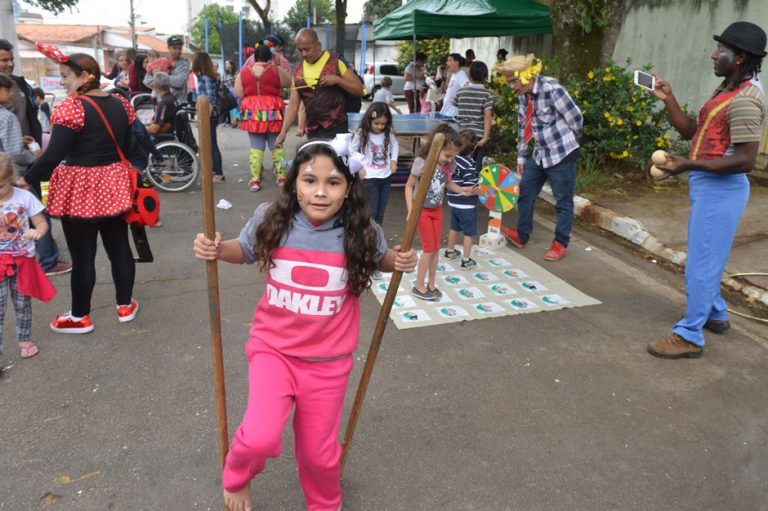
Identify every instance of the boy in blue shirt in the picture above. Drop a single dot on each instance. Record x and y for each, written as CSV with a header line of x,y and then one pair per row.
x,y
464,207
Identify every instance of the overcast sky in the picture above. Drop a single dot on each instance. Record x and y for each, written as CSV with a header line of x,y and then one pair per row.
x,y
167,16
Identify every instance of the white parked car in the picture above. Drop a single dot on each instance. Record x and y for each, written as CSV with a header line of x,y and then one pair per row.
x,y
383,69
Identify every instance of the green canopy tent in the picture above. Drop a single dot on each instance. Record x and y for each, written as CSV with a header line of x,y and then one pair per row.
x,y
424,19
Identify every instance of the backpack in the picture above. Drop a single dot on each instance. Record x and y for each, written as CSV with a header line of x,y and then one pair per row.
x,y
353,103
225,100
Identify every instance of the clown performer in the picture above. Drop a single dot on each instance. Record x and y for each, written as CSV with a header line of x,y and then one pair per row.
x,y
724,144
547,115
260,85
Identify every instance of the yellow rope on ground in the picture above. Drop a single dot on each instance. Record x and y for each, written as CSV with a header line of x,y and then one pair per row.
x,y
753,274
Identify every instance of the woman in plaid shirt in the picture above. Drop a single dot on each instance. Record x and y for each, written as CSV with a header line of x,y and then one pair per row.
x,y
208,83
547,115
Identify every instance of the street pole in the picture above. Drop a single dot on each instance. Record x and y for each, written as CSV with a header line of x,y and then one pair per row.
x,y
206,34
240,40
133,27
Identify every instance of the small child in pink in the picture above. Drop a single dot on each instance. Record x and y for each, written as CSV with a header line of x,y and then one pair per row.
x,y
424,102
306,326
21,224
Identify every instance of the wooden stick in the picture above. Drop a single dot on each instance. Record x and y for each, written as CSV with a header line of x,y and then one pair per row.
x,y
394,283
214,309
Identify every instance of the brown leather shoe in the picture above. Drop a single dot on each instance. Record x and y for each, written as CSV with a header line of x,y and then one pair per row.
x,y
674,346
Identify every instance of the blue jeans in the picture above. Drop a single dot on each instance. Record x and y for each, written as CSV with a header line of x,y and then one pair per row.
x,y
46,248
717,203
478,156
215,153
377,190
562,179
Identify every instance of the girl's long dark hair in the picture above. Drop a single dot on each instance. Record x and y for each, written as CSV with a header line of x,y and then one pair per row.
x,y
203,65
375,110
138,68
360,237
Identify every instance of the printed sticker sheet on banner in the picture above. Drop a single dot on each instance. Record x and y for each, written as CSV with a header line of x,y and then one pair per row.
x,y
503,283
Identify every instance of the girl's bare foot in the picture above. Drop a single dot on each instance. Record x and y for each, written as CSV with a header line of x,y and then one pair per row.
x,y
238,501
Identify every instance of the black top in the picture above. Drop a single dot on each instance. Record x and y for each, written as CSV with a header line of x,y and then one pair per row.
x,y
92,146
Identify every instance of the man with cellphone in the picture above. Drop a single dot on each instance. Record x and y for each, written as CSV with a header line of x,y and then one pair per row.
x,y
546,115
725,138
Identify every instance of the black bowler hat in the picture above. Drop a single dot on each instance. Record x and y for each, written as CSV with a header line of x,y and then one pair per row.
x,y
744,36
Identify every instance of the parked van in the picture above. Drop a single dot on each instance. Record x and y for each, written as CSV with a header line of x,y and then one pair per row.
x,y
383,69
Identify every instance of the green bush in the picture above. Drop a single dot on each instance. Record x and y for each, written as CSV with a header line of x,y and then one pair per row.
x,y
436,50
622,124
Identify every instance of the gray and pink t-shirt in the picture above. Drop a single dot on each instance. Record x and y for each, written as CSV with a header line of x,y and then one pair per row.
x,y
308,310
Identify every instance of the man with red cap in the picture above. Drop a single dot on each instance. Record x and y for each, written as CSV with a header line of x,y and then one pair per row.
x,y
725,138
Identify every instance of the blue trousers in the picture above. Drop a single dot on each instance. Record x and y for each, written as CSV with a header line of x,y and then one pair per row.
x,y
218,167
478,156
377,190
717,203
562,179
46,248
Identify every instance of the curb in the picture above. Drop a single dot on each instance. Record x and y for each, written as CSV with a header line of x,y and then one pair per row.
x,y
634,232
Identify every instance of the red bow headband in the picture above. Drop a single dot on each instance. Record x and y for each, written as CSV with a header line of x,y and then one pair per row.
x,y
52,52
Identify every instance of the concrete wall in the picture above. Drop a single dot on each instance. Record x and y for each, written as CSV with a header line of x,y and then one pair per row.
x,y
675,36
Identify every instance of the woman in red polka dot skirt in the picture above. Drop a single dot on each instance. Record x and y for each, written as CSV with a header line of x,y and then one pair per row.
x,y
90,188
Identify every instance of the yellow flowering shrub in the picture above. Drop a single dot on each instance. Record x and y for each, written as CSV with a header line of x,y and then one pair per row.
x,y
621,120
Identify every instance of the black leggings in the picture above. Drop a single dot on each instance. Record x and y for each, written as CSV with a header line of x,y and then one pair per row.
x,y
82,242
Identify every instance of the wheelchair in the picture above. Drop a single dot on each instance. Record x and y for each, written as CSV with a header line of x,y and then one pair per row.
x,y
180,167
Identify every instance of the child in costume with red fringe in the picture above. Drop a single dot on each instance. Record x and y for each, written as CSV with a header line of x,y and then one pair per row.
x,y
260,85
319,248
20,273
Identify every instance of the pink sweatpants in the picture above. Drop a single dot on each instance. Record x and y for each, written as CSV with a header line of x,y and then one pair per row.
x,y
277,383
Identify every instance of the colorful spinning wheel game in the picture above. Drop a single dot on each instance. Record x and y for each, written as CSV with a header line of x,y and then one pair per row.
x,y
499,191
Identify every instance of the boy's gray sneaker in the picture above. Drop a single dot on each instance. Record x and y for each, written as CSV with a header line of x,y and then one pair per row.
x,y
451,254
436,293
429,295
468,264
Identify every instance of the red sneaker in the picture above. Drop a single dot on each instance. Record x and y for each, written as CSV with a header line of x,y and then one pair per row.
x,y
64,324
127,313
556,251
512,235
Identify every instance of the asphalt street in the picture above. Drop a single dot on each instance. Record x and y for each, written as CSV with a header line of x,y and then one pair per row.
x,y
558,410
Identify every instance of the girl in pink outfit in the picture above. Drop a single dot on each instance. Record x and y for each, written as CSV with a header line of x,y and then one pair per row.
x,y
318,247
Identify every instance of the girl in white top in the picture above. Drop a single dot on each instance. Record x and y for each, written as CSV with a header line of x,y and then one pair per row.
x,y
377,142
458,80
